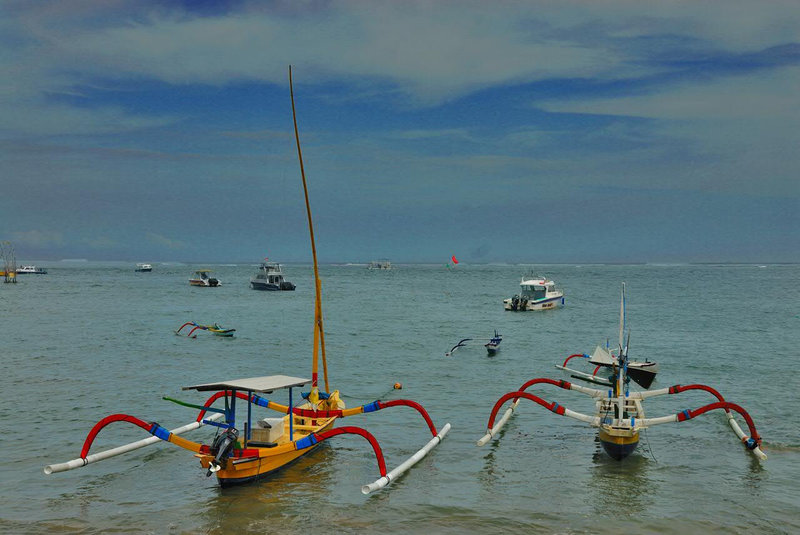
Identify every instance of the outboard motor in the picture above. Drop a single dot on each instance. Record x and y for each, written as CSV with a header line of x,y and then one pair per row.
x,y
223,444
514,302
523,302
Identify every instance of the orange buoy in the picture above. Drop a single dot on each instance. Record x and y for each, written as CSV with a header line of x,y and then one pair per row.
x,y
398,386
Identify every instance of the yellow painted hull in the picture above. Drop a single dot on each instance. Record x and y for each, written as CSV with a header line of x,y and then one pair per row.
x,y
618,443
238,471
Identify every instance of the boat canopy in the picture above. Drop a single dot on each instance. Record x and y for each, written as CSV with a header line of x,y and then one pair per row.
x,y
266,384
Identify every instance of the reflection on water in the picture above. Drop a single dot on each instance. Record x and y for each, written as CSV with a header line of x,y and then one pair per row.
x,y
620,486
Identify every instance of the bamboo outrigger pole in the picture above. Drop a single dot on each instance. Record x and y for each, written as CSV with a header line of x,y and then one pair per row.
x,y
319,333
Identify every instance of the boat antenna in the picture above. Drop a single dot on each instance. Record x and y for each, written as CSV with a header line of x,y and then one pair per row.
x,y
621,317
319,333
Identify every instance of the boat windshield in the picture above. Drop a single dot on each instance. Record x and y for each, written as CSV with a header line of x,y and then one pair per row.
x,y
533,292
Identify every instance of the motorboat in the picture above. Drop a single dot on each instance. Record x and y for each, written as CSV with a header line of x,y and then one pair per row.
x,y
536,293
270,278
379,265
144,268
31,269
201,278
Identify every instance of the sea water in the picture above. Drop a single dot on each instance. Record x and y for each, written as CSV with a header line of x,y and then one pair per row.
x,y
92,339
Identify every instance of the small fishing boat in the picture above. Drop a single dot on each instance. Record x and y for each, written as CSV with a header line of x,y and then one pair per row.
x,y
144,268
270,278
493,345
619,412
379,265
536,293
31,270
201,278
642,373
245,449
215,329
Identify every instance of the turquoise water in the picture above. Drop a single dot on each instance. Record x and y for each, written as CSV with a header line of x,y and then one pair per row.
x,y
91,339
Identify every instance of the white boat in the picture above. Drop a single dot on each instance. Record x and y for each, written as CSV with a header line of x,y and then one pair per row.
x,y
270,278
144,268
380,264
536,293
31,269
201,278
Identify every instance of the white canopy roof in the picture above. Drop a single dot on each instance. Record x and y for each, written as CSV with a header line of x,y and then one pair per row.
x,y
267,383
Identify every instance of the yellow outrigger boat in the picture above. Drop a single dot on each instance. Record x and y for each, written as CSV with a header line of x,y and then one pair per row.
x,y
270,443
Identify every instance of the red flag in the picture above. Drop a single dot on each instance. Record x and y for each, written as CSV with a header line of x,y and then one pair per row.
x,y
454,259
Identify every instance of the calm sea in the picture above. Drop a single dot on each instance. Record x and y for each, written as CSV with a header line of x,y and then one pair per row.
x,y
91,339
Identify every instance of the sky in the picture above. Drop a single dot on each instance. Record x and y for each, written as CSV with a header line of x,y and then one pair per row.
x,y
519,132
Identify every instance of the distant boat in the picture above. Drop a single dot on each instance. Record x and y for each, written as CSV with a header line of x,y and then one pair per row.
x,y
31,269
270,278
201,278
380,264
144,268
493,346
536,293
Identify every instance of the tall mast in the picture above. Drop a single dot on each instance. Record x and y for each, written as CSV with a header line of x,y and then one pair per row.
x,y
319,333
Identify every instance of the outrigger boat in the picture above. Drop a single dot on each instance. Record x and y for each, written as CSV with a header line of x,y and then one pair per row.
x,y
619,412
215,329
258,450
492,346
642,373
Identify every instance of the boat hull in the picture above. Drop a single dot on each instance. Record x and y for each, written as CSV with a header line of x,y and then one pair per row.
x,y
618,445
240,472
540,304
207,282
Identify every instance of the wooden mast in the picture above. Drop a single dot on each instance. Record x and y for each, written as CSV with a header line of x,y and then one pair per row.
x,y
319,333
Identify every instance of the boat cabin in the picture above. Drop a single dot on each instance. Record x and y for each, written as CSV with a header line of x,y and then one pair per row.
x,y
534,289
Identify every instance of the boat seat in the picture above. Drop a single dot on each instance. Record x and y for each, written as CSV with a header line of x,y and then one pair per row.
x,y
257,444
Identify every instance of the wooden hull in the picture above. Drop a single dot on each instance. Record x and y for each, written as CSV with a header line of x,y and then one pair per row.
x,y
242,471
618,444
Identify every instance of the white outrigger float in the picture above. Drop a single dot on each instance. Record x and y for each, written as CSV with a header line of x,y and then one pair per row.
x,y
619,412
536,293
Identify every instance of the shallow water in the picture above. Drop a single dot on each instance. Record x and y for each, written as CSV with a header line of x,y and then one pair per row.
x,y
91,339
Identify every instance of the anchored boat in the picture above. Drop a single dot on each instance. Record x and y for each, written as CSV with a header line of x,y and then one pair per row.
x,y
31,270
201,278
215,329
619,414
270,278
246,449
536,293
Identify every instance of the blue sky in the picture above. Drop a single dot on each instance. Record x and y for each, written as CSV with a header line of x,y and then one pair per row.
x,y
534,132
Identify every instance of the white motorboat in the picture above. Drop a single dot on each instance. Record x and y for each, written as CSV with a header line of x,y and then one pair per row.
x,y
270,278
379,264
144,268
31,269
536,293
201,278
